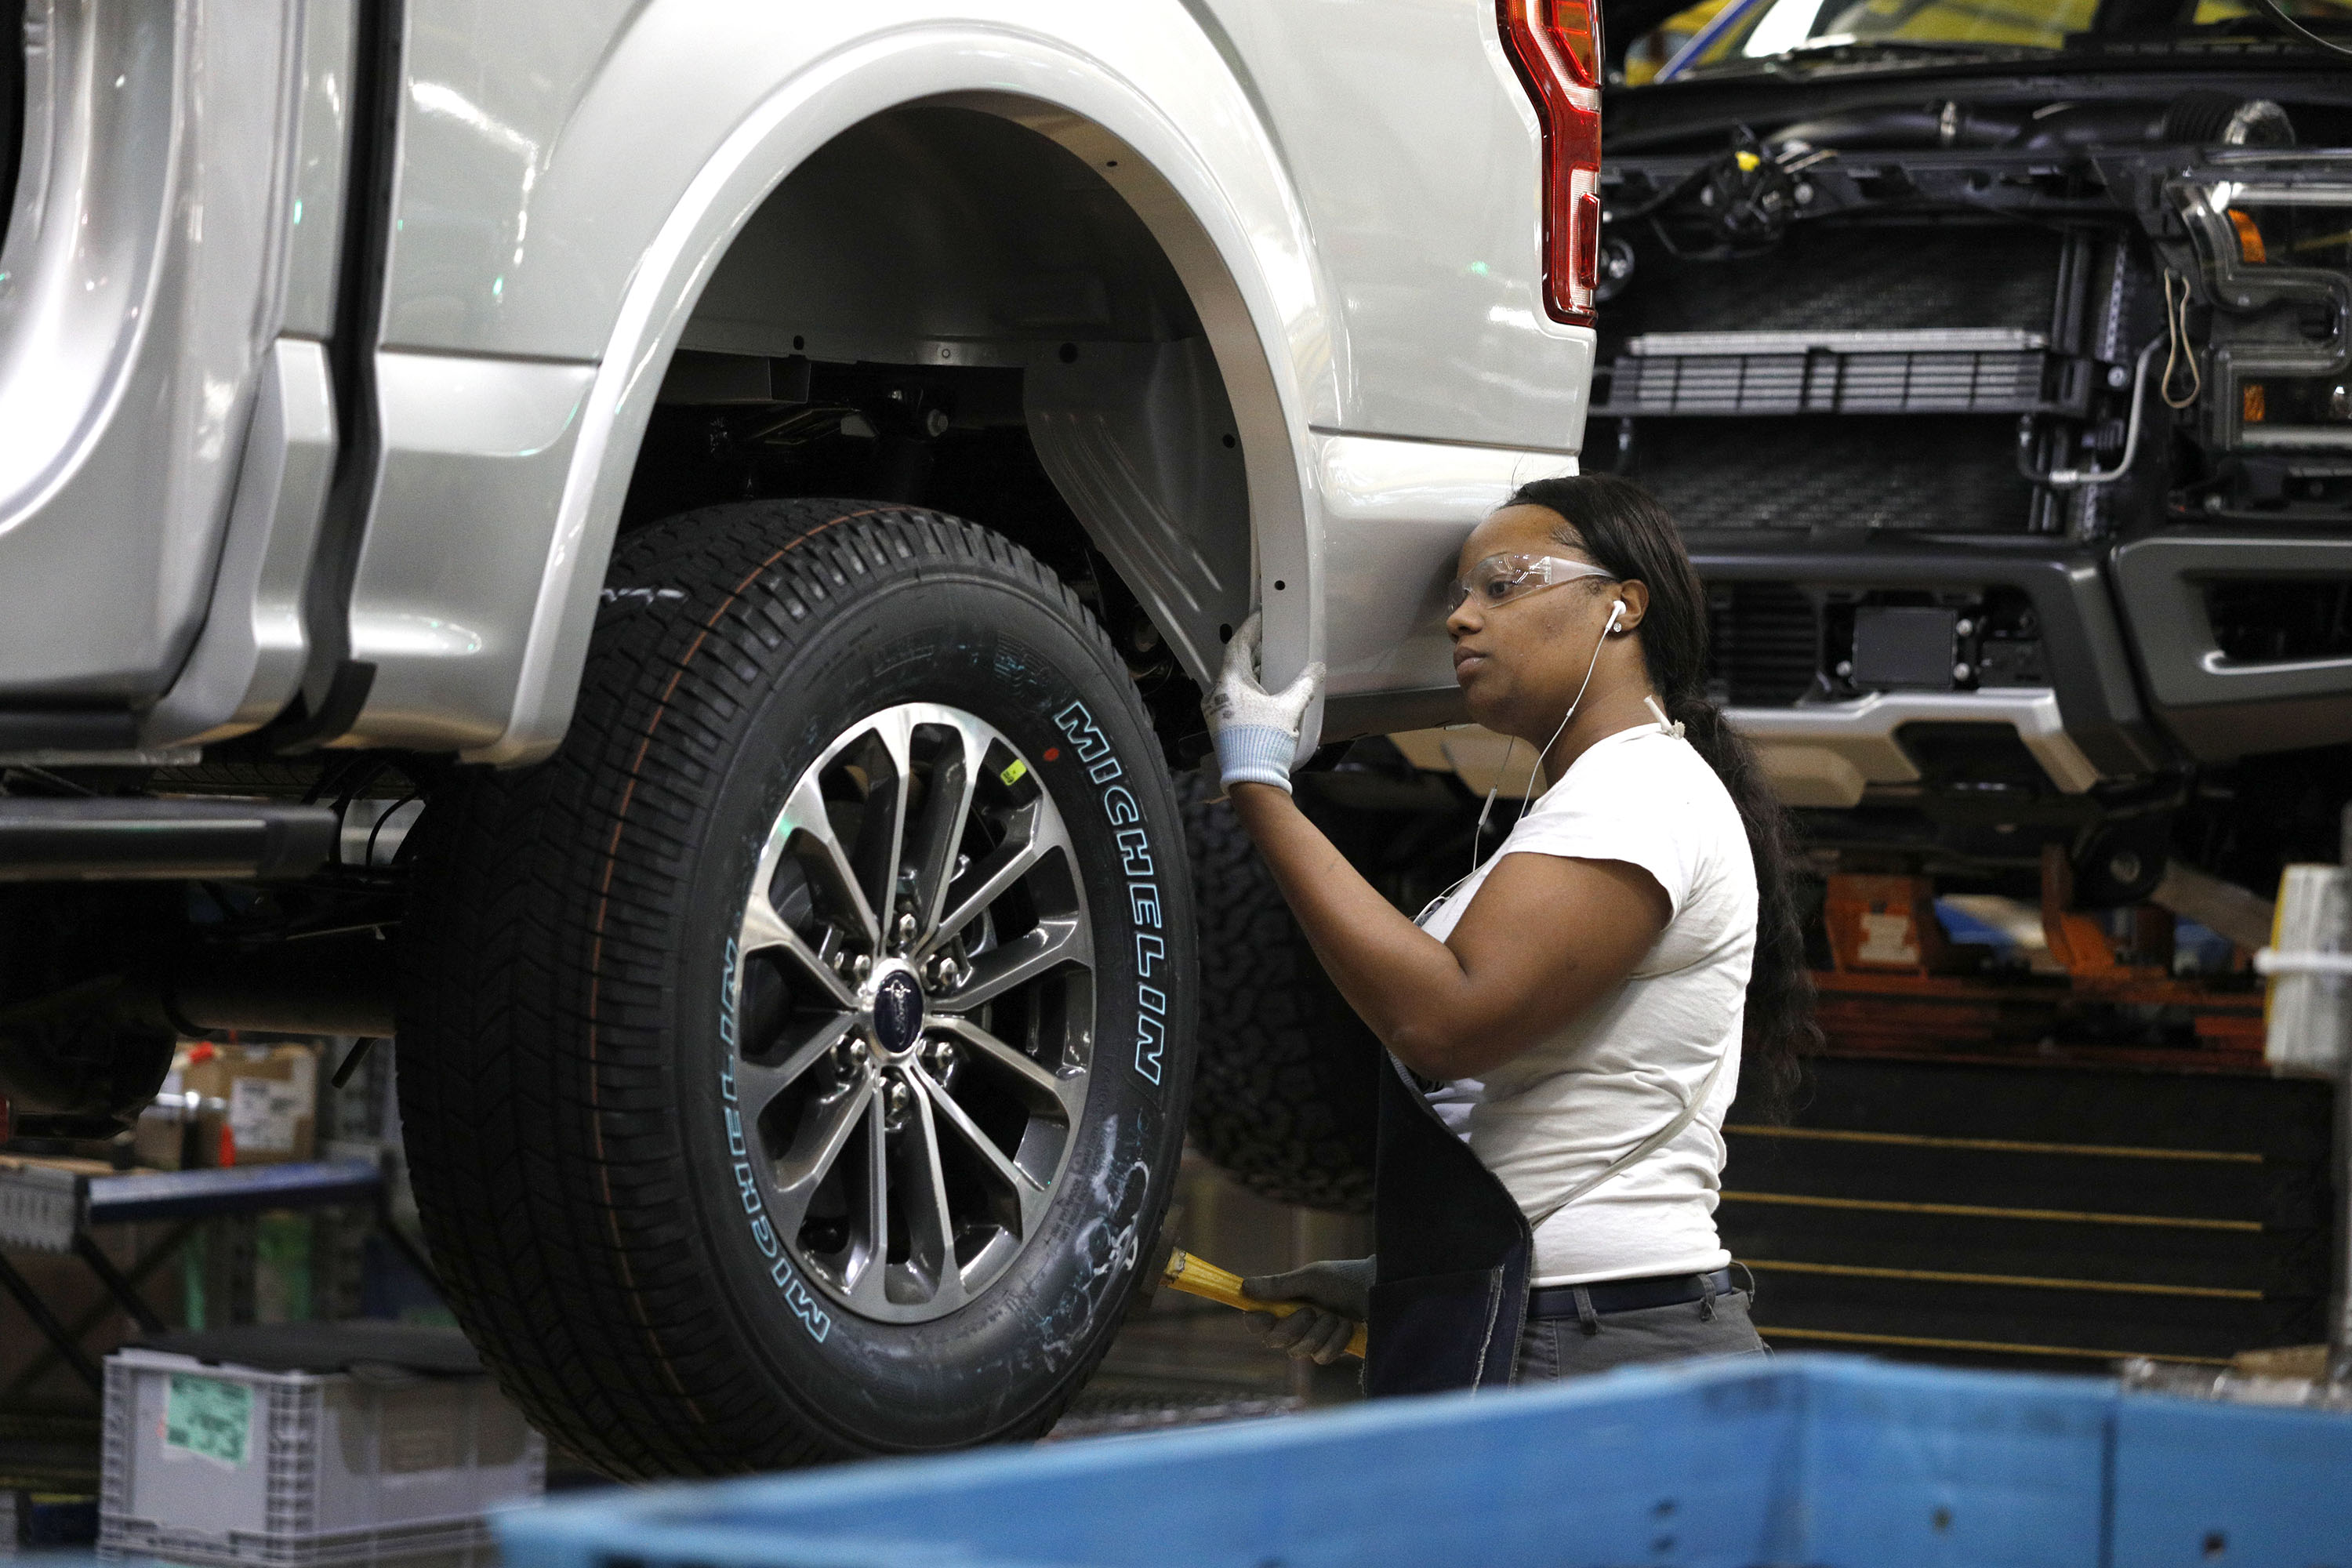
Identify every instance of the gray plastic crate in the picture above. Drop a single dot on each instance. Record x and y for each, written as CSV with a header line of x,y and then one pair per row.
x,y
40,1207
219,1464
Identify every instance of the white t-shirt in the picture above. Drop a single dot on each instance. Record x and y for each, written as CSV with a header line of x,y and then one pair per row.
x,y
1561,1110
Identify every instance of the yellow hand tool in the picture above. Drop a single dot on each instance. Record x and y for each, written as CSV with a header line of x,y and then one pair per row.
x,y
1195,1277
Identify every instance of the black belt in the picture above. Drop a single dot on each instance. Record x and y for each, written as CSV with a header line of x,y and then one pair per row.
x,y
1628,1295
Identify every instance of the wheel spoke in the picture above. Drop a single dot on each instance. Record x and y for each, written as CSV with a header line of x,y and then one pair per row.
x,y
1020,1182
834,1122
931,1225
1038,1085
757,1084
1010,861
763,929
896,732
1052,945
805,821
869,1265
941,835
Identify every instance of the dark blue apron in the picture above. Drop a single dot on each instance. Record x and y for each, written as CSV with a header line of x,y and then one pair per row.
x,y
1450,1289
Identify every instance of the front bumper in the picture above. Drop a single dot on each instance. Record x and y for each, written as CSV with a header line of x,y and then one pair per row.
x,y
2221,708
2087,725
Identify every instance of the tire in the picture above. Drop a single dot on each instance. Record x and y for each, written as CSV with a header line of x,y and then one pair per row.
x,y
1285,1096
615,960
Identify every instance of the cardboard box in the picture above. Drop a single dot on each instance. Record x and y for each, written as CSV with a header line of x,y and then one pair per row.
x,y
272,1093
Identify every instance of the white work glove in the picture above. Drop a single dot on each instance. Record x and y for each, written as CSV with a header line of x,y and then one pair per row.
x,y
1258,731
1339,1295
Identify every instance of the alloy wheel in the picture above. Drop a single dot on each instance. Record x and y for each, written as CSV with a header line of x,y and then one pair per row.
x,y
913,1002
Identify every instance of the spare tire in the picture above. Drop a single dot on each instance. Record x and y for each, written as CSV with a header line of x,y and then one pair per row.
x,y
1285,1096
793,1068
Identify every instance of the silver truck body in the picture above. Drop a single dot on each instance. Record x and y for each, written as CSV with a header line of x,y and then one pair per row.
x,y
1349,198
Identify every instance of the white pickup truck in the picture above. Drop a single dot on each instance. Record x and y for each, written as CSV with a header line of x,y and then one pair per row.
x,y
771,478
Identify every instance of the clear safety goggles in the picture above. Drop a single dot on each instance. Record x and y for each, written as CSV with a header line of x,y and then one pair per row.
x,y
1499,579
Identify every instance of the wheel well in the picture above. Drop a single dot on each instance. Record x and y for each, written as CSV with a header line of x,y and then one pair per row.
x,y
946,308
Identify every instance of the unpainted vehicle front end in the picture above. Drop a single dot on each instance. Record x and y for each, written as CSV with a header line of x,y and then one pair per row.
x,y
1979,410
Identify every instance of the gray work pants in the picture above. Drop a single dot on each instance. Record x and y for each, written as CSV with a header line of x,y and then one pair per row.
x,y
1551,1348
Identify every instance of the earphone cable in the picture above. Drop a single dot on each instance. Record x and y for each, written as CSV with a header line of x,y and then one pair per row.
x,y
1478,834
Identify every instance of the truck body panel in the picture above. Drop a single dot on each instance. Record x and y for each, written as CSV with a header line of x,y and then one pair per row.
x,y
1424,189
146,272
629,229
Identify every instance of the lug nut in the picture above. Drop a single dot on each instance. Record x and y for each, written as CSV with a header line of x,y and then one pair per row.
x,y
861,966
906,927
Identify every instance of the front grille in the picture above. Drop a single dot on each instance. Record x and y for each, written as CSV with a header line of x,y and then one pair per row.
x,y
1955,474
1763,644
1851,377
1955,372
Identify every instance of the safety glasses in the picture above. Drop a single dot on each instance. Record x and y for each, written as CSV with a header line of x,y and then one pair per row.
x,y
1499,579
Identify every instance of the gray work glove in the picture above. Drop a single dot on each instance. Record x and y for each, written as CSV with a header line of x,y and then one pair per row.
x,y
1338,1293
1258,731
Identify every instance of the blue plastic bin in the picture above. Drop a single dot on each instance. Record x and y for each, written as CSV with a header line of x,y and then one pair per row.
x,y
1804,1459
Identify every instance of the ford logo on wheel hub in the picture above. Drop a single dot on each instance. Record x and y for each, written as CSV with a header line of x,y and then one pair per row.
x,y
897,1012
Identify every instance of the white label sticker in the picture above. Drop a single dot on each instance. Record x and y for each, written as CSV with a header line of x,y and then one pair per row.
x,y
261,1115
209,1417
1886,939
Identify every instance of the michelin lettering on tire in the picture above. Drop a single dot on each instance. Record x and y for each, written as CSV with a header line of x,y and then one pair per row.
x,y
797,1296
1093,748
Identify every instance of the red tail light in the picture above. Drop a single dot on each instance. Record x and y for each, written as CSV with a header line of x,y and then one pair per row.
x,y
1556,47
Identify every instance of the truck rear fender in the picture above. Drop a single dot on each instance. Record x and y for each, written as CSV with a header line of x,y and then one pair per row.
x,y
1213,194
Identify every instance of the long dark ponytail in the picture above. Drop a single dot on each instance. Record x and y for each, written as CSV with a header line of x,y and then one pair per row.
x,y
1623,528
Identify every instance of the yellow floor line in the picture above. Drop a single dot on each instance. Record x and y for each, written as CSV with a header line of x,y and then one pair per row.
x,y
1994,1347
1885,1205
1998,1145
1942,1276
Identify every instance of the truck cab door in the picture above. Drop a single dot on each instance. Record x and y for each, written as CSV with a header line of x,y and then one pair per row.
x,y
167,291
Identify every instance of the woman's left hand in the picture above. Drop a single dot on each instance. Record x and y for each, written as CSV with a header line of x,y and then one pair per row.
x,y
1258,731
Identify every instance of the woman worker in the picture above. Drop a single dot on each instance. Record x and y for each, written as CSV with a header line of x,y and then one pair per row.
x,y
1578,1000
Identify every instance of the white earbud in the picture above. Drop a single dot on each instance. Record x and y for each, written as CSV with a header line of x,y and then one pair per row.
x,y
1616,614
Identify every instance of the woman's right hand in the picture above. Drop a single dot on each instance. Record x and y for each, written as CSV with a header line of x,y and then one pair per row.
x,y
1338,1296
